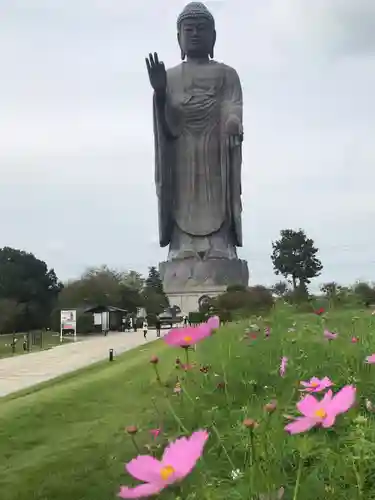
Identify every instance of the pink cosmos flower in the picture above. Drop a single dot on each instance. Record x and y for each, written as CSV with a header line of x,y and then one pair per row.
x,y
316,385
370,359
330,335
185,337
354,340
322,412
179,459
283,365
213,322
319,311
155,433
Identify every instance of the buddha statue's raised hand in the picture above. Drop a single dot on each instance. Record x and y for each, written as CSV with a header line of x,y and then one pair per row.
x,y
156,73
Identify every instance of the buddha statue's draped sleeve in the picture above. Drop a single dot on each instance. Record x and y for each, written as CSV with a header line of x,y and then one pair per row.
x,y
165,133
197,174
233,107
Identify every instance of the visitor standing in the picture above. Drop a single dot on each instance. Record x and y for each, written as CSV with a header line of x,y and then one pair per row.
x,y
158,327
145,328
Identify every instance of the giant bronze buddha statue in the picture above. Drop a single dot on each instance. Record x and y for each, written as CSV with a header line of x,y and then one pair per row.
x,y
198,131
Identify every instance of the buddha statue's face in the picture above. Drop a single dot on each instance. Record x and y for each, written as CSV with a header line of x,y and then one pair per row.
x,y
197,37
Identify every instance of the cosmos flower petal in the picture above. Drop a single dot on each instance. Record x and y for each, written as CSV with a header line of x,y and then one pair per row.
x,y
141,491
213,322
184,453
184,337
326,399
370,359
329,420
144,468
300,424
307,405
343,400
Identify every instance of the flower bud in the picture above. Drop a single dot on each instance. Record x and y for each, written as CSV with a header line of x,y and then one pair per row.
x,y
131,429
154,360
271,406
250,423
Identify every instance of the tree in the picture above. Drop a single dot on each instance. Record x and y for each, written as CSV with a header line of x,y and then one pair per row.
x,y
10,311
27,282
294,255
99,286
155,300
153,281
103,286
365,292
330,289
133,280
280,288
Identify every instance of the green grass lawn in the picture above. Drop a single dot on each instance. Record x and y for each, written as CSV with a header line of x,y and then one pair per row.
x,y
66,440
50,339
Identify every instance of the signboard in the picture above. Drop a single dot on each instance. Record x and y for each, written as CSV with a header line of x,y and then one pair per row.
x,y
68,322
141,312
97,319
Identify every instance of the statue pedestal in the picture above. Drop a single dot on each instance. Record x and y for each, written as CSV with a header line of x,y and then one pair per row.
x,y
187,282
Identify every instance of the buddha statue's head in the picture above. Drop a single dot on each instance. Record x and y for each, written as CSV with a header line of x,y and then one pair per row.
x,y
196,31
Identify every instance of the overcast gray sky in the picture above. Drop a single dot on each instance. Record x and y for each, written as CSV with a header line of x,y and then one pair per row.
x,y
76,141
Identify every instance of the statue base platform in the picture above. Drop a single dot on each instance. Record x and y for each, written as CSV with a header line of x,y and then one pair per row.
x,y
188,282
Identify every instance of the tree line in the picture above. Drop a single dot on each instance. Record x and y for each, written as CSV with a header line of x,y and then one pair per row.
x,y
295,257
31,295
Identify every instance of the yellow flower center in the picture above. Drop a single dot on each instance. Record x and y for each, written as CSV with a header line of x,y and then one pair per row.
x,y
166,472
188,339
320,413
314,384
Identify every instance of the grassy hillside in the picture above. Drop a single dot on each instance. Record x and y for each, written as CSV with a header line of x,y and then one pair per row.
x,y
67,439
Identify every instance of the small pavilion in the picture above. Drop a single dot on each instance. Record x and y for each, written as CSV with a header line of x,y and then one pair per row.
x,y
107,317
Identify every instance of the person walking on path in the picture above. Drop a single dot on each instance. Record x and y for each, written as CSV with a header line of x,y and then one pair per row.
x,y
145,328
158,327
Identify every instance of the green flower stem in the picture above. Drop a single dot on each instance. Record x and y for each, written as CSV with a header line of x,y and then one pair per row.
x,y
153,400
298,479
214,428
187,356
252,448
135,444
158,379
177,418
359,481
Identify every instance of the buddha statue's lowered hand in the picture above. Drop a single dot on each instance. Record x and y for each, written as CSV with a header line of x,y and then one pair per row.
x,y
234,131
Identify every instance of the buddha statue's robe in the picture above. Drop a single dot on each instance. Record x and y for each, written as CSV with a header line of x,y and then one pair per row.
x,y
197,174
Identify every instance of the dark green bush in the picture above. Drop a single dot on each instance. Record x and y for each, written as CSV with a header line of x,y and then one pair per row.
x,y
197,317
245,302
85,324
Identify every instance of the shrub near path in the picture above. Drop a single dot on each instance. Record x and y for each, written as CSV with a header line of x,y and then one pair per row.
x,y
68,440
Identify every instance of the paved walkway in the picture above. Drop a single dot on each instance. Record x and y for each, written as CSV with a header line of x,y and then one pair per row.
x,y
21,372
